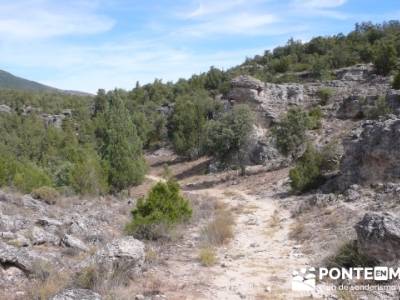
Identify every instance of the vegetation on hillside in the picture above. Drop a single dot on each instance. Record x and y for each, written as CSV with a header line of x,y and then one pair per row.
x,y
100,146
163,208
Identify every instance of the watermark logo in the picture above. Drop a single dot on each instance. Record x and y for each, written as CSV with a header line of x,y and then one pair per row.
x,y
304,280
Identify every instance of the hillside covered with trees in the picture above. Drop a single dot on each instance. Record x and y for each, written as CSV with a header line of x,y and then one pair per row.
x,y
99,147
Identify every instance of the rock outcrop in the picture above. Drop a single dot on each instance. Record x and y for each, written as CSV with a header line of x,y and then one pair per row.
x,y
378,236
76,294
124,253
5,109
372,154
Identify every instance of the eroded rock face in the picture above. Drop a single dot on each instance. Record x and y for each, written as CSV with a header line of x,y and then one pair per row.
x,y
76,294
124,253
372,154
19,258
5,109
267,99
378,236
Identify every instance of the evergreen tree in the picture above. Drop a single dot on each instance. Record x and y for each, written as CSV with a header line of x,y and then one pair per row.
x,y
385,58
122,147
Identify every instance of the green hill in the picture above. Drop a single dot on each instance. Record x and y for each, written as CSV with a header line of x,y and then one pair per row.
x,y
10,81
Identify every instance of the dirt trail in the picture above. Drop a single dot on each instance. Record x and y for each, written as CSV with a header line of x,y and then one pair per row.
x,y
259,260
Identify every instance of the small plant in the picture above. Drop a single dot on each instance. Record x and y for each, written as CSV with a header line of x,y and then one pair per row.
x,y
48,281
88,277
163,208
220,229
324,95
307,173
380,108
207,257
348,256
396,81
46,194
314,118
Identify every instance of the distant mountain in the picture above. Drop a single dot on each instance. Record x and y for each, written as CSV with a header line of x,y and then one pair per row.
x,y
10,81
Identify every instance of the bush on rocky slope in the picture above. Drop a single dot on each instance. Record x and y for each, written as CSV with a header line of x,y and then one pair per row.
x,y
163,208
307,172
290,132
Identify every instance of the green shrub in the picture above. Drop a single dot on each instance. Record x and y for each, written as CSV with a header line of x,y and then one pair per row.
x,y
330,157
290,132
314,118
88,175
227,139
163,208
348,256
324,94
380,108
8,168
385,58
45,193
396,81
307,172
28,177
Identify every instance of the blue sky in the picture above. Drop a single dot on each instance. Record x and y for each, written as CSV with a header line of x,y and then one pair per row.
x,y
90,44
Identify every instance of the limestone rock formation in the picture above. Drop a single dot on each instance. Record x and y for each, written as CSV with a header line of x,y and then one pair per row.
x,y
76,294
372,154
124,253
378,236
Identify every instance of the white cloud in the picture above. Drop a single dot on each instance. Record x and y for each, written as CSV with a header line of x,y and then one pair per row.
x,y
43,19
238,23
208,7
320,3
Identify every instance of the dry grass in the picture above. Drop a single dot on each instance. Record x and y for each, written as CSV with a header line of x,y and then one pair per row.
x,y
151,256
47,281
207,256
273,224
47,194
220,230
88,277
346,295
298,231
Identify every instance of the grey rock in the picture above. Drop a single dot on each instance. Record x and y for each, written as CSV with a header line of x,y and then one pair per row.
x,y
372,154
378,236
17,257
352,195
124,253
73,242
76,294
41,236
5,108
7,235
44,221
53,120
354,73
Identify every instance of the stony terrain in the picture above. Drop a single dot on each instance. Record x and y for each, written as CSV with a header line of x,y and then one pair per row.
x,y
75,248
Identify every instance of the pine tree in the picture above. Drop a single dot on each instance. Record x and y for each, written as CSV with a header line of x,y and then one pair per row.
x,y
122,148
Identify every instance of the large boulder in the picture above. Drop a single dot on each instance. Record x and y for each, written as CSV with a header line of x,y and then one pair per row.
x,y
5,109
378,236
17,257
372,154
76,294
74,242
124,253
